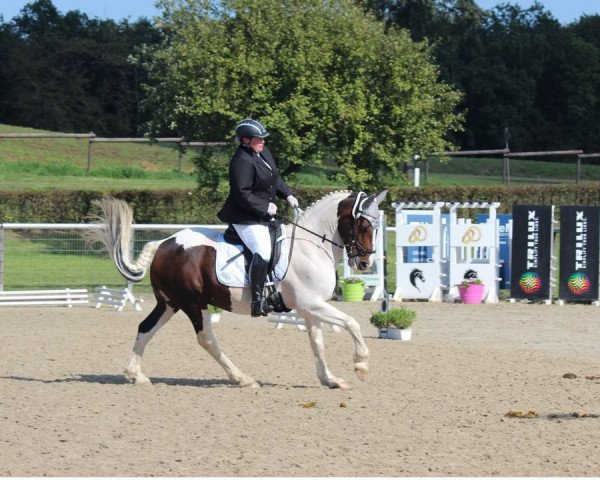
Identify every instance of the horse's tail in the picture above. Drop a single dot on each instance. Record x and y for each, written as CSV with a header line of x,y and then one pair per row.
x,y
114,230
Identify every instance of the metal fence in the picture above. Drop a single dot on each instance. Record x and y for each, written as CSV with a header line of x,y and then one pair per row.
x,y
50,256
181,142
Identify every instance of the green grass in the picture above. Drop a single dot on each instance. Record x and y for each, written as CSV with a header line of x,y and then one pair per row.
x,y
44,259
56,163
488,171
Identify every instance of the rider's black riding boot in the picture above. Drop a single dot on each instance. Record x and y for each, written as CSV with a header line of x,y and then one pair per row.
x,y
257,274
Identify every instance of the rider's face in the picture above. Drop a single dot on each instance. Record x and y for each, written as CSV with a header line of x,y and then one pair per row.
x,y
257,144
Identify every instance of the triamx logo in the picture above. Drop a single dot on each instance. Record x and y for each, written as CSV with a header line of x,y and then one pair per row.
x,y
581,229
533,233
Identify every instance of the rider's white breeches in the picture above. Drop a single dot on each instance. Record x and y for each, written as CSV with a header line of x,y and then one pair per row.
x,y
256,238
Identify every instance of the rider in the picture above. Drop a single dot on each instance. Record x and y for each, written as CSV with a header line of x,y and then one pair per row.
x,y
254,182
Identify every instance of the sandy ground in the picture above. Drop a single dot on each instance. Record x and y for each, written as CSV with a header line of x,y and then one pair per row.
x,y
434,406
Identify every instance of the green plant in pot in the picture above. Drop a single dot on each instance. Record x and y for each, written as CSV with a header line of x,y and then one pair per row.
x,y
394,323
353,289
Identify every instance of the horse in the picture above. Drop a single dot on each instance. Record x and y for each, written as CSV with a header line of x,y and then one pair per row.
x,y
183,276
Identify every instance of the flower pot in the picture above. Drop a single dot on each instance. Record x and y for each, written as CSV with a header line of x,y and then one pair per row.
x,y
471,294
352,291
394,333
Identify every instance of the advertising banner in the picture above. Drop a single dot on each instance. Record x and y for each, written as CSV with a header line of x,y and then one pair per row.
x,y
579,237
504,240
531,252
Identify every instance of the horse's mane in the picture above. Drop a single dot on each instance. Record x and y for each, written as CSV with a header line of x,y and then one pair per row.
x,y
324,198
321,210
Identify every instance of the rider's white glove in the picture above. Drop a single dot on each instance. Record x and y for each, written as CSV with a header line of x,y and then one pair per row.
x,y
272,210
293,201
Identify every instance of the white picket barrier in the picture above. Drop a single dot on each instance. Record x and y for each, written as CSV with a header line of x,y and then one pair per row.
x,y
292,318
421,277
374,281
67,297
115,297
473,250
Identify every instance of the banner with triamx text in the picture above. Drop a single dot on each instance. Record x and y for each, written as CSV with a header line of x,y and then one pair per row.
x,y
531,252
579,237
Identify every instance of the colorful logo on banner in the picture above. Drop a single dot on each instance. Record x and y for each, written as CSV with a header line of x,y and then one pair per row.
x,y
530,282
531,251
579,237
579,283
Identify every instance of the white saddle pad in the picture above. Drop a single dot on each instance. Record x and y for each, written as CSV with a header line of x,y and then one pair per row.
x,y
230,267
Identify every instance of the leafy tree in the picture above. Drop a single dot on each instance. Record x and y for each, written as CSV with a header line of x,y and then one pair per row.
x,y
518,68
326,79
70,73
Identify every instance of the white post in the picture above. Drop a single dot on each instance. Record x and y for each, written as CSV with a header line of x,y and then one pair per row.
x,y
416,170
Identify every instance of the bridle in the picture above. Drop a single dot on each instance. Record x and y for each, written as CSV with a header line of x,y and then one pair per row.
x,y
353,246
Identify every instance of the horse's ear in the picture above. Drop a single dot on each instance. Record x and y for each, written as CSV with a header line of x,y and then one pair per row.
x,y
380,197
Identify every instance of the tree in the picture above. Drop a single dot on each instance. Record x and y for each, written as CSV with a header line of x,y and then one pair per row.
x,y
70,73
326,79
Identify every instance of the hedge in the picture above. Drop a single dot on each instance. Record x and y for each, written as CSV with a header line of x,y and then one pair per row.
x,y
201,206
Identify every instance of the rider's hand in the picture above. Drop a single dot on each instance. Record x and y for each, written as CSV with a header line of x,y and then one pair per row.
x,y
272,210
293,201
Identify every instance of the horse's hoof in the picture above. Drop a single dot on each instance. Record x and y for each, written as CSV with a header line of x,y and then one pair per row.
x,y
339,383
137,378
361,373
142,380
248,383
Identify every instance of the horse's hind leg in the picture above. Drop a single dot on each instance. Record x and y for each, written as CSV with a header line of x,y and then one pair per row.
x,y
207,340
146,330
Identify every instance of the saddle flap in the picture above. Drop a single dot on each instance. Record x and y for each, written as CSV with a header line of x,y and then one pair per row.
x,y
233,259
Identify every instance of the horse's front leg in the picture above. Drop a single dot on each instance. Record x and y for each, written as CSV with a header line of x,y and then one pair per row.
x,y
317,343
324,312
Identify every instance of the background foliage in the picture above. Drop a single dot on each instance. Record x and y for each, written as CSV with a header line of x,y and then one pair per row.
x,y
329,82
517,68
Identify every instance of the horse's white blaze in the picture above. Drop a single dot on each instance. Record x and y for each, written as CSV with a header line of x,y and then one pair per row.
x,y
196,237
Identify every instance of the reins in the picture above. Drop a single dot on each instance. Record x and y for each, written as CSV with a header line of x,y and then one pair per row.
x,y
360,249
322,237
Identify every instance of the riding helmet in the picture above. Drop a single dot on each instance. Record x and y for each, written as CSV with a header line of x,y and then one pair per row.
x,y
250,128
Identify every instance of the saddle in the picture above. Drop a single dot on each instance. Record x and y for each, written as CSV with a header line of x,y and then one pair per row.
x,y
234,258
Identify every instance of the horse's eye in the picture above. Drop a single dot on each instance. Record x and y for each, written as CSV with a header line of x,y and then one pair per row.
x,y
362,229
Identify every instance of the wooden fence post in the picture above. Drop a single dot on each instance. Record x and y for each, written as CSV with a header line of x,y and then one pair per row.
x,y
89,157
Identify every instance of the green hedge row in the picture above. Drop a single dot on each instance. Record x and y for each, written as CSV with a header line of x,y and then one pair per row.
x,y
201,206
155,206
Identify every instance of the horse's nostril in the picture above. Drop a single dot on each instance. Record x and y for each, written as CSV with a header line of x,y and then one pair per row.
x,y
363,265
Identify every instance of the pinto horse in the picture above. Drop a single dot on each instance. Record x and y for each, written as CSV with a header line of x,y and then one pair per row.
x,y
183,276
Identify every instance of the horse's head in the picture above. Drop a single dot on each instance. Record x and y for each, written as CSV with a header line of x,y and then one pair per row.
x,y
358,220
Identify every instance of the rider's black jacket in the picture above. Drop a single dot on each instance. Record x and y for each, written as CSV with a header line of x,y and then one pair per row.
x,y
252,186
